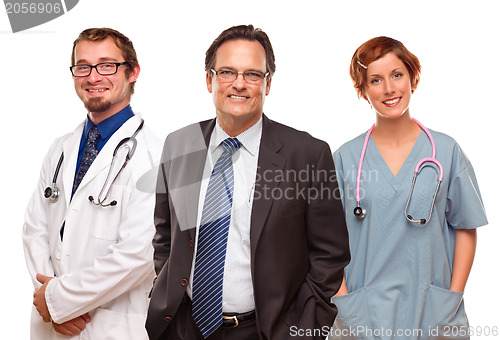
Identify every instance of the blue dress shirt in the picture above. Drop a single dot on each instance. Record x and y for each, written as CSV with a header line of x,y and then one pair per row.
x,y
106,129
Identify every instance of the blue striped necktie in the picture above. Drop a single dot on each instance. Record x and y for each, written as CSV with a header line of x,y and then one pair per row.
x,y
89,155
212,242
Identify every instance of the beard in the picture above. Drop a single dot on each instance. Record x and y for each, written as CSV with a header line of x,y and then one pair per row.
x,y
97,105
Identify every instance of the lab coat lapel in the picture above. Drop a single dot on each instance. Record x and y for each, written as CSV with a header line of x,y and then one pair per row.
x,y
272,162
105,156
70,148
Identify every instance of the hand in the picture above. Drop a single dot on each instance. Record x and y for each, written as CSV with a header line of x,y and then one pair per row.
x,y
39,297
342,289
72,327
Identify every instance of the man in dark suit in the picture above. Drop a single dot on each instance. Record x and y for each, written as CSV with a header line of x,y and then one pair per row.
x,y
282,256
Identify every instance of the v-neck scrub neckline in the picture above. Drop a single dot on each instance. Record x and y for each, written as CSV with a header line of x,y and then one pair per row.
x,y
411,158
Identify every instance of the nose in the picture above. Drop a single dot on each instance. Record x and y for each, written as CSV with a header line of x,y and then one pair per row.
x,y
94,77
389,87
239,82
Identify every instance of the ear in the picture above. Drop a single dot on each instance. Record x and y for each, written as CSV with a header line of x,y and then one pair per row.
x,y
134,73
268,86
208,79
364,96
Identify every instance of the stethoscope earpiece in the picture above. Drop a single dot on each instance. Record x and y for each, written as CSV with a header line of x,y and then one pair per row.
x,y
112,203
422,221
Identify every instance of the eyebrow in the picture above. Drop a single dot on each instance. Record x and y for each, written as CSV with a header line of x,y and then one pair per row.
x,y
233,69
100,60
377,75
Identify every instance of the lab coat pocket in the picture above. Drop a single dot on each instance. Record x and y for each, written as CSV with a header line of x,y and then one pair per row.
x,y
108,324
444,314
106,219
349,318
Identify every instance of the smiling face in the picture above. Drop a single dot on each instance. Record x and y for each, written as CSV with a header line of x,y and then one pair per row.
x,y
238,105
388,86
103,96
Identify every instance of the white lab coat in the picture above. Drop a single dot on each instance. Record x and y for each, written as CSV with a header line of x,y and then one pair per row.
x,y
104,265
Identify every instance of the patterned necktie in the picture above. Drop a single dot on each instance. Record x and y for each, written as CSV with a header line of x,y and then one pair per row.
x,y
89,155
212,242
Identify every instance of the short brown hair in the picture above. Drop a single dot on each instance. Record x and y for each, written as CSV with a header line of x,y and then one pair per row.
x,y
121,41
375,49
244,32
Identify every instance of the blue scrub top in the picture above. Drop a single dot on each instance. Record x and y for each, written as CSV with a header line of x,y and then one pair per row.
x,y
400,273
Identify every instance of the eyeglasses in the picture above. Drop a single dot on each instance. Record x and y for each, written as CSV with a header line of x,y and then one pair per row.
x,y
250,77
104,69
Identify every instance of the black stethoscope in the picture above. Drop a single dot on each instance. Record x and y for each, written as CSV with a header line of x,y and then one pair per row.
x,y
52,192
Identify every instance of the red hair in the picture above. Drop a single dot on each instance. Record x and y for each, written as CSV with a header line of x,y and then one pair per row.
x,y
375,49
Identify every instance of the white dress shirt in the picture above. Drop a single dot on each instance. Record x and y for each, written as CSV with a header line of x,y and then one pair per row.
x,y
237,294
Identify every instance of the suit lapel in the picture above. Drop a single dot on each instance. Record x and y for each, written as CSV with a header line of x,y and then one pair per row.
x,y
193,194
185,157
270,162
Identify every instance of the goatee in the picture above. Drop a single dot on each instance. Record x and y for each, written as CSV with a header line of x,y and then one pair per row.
x,y
97,105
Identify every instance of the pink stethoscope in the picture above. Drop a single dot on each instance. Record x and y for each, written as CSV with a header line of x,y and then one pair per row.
x,y
360,213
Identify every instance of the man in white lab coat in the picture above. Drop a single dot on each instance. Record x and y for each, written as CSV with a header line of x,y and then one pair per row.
x,y
88,226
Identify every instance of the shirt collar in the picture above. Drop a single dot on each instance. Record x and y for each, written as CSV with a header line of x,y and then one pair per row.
x,y
250,138
108,126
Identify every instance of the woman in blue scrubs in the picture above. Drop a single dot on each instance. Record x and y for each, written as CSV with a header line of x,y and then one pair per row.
x,y
405,280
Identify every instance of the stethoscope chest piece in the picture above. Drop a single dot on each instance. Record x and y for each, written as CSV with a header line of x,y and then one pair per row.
x,y
52,193
359,212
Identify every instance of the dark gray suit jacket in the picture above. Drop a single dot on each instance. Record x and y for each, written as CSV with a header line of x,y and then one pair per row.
x,y
298,236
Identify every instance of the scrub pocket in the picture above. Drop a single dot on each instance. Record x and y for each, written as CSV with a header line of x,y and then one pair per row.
x,y
444,315
350,307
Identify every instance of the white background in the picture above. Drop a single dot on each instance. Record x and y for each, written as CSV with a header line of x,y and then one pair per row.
x,y
456,42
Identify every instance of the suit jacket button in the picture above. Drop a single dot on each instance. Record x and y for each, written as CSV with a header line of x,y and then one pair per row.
x,y
167,319
184,282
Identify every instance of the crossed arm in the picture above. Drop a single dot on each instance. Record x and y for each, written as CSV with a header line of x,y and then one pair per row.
x,y
71,327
